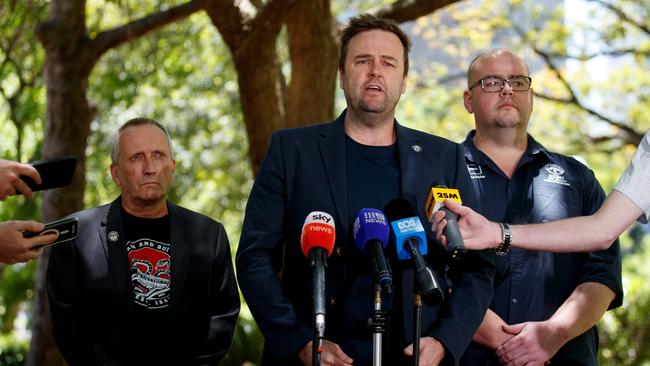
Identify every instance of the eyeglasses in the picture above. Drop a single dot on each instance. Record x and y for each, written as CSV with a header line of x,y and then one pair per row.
x,y
494,84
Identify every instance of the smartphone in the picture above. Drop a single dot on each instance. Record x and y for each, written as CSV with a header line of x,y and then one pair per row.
x,y
67,229
54,173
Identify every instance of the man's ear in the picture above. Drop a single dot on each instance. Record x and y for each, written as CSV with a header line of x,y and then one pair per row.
x,y
115,175
467,101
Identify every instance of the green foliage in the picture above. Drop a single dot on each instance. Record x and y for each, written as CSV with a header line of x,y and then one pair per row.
x,y
12,351
247,344
16,290
624,331
182,75
21,60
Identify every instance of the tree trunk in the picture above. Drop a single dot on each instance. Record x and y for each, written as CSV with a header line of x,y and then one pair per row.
x,y
70,57
313,49
251,35
67,125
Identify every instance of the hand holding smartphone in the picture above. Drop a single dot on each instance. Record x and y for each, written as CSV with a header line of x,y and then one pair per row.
x,y
67,229
54,173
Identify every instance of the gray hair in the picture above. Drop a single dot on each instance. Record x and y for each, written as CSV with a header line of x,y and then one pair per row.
x,y
138,121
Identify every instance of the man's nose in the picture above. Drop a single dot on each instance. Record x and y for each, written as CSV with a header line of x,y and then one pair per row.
x,y
375,68
149,166
507,88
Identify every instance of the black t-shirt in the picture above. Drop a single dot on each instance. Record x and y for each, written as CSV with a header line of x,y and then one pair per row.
x,y
372,180
148,248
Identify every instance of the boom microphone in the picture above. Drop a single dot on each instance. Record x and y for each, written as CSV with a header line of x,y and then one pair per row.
x,y
411,242
437,195
371,233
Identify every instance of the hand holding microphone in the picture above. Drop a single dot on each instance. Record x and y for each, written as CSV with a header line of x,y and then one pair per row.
x,y
371,233
435,202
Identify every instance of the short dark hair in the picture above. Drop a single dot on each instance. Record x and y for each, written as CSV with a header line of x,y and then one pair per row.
x,y
366,22
138,121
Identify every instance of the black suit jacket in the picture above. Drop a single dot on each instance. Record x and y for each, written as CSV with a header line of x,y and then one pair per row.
x,y
304,171
91,296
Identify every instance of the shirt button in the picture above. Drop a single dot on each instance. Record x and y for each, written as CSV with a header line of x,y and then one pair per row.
x,y
332,300
514,301
338,251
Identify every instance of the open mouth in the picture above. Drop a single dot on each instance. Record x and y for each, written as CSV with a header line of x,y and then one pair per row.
x,y
374,88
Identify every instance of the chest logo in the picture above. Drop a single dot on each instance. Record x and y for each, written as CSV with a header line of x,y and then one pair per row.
x,y
113,236
475,171
555,174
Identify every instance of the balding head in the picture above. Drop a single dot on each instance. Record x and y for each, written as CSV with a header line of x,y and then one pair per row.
x,y
474,71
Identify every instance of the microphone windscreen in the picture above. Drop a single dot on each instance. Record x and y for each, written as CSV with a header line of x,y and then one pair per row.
x,y
318,232
400,208
370,224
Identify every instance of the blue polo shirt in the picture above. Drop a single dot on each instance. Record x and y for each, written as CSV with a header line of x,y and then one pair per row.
x,y
531,285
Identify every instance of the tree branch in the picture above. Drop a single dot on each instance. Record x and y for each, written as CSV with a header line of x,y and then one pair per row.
x,y
268,23
622,15
240,28
631,133
407,10
116,36
607,53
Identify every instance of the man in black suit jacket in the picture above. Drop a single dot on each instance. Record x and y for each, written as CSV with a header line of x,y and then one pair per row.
x,y
145,282
362,159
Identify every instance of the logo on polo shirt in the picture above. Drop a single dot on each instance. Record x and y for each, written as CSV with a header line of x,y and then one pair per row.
x,y
555,174
475,171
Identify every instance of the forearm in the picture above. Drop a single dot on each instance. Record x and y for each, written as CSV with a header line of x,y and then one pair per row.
x,y
580,234
490,333
581,310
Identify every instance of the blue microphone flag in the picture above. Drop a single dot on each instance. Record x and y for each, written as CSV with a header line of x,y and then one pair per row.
x,y
370,224
408,228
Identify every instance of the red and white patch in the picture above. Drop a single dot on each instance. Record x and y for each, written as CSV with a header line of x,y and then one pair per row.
x,y
150,264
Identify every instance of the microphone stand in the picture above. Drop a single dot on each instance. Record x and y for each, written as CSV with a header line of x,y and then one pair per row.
x,y
417,317
417,302
318,263
378,325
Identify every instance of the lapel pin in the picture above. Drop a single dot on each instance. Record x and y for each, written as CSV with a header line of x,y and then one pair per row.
x,y
416,148
113,236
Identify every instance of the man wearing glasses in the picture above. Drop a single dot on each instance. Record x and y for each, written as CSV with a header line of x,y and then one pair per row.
x,y
545,305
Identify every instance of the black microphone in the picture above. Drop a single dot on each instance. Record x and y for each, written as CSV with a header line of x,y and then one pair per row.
x,y
371,234
435,202
411,242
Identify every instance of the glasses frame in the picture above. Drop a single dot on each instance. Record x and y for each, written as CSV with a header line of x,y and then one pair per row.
x,y
503,83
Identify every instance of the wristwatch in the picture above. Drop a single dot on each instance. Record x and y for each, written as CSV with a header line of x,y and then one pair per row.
x,y
506,236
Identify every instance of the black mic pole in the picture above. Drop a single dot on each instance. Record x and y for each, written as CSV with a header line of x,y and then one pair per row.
x,y
417,303
317,257
417,317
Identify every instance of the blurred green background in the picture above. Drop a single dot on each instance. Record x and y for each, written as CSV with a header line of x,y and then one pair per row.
x,y
591,75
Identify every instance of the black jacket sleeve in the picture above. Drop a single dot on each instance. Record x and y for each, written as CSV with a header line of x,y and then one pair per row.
x,y
63,292
224,305
259,259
